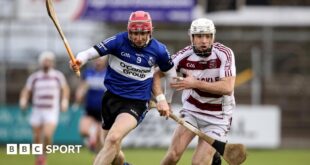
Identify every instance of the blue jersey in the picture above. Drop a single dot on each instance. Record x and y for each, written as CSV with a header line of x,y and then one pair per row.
x,y
96,88
130,71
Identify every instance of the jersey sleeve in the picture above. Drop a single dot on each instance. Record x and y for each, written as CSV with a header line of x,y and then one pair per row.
x,y
107,46
164,60
180,55
228,67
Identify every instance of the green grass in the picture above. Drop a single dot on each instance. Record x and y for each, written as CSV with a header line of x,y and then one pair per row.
x,y
153,157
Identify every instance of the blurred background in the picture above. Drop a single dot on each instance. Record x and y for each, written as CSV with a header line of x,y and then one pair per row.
x,y
270,39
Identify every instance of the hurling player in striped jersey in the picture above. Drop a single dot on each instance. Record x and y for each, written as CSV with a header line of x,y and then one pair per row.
x,y
208,76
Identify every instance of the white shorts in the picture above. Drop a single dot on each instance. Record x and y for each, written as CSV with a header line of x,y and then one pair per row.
x,y
213,129
39,117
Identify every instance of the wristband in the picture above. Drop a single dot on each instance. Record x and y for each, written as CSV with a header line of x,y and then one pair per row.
x,y
160,97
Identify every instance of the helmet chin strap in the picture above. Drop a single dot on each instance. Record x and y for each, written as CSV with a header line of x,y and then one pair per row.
x,y
205,53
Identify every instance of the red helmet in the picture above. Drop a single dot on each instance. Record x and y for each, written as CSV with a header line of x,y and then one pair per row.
x,y
140,21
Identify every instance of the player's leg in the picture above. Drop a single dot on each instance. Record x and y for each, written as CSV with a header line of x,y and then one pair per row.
x,y
119,159
50,121
37,130
181,138
37,139
37,120
89,128
96,125
49,130
36,124
98,134
85,123
216,159
123,124
203,153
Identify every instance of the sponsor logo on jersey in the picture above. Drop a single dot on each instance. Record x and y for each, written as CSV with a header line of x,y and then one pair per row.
x,y
130,70
209,79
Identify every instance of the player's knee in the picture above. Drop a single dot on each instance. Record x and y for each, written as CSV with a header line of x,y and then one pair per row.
x,y
216,159
113,139
174,156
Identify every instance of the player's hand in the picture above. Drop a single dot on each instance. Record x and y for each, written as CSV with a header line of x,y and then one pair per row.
x,y
184,83
163,108
75,107
23,103
64,105
75,66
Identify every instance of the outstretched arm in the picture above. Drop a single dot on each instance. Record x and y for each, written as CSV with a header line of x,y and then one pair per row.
x,y
83,57
24,97
65,97
80,92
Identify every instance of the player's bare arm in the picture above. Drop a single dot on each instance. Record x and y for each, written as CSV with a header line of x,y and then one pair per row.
x,y
80,92
65,97
161,105
24,97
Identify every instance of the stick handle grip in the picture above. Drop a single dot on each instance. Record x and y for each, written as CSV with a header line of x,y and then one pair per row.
x,y
71,56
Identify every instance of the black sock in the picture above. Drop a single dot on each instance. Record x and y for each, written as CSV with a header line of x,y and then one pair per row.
x,y
219,146
216,159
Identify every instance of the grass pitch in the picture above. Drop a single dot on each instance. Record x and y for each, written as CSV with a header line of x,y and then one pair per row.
x,y
153,157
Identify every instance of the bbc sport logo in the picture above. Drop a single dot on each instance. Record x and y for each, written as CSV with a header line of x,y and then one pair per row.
x,y
37,149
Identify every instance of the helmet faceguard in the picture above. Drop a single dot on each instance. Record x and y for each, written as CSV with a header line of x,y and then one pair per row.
x,y
202,26
140,22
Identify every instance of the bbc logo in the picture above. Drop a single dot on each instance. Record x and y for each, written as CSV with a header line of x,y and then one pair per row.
x,y
37,149
24,149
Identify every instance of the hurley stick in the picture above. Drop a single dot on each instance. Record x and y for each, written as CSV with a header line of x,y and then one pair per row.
x,y
52,14
234,154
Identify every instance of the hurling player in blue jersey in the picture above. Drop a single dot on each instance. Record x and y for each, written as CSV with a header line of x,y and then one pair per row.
x,y
132,58
91,89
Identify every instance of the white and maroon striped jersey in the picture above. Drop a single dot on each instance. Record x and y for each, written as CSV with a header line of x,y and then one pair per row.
x,y
220,64
46,89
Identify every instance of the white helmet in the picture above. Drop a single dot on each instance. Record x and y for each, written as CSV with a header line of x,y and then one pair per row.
x,y
202,26
46,55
